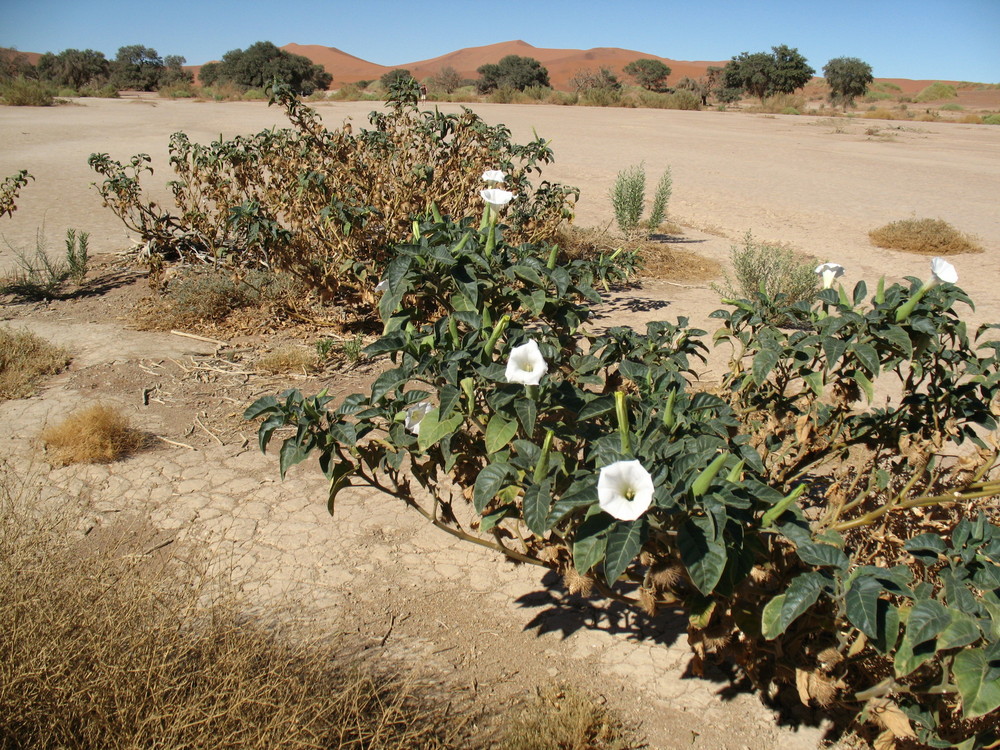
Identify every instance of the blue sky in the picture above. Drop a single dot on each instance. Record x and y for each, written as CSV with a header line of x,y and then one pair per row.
x,y
953,40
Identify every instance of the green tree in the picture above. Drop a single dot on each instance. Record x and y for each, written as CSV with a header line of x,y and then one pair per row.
x,y
648,73
14,64
74,68
262,63
764,74
514,72
395,78
137,67
848,78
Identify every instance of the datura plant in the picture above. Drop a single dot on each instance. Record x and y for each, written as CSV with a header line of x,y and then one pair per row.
x,y
810,527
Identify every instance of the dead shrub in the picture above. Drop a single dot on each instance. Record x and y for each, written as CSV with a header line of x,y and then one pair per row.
x,y
879,114
924,236
560,718
95,434
107,645
24,360
287,359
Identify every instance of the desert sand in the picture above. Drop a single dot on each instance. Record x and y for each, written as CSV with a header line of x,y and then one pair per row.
x,y
817,185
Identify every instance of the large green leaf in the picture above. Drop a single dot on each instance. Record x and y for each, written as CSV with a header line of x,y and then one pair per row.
x,y
763,363
624,542
292,452
785,608
979,694
702,552
961,631
260,406
537,499
862,605
499,433
823,555
432,429
927,618
909,657
489,482
527,412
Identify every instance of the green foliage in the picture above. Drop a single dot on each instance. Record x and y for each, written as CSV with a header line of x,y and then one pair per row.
x,y
628,198
37,276
77,255
26,92
658,209
326,205
74,68
769,272
848,78
261,64
137,68
649,73
763,74
992,119
395,77
936,91
513,71
9,190
14,64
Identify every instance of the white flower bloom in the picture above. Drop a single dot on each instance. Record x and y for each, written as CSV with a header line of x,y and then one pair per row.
x,y
941,271
494,175
526,364
624,490
382,286
415,414
829,272
496,197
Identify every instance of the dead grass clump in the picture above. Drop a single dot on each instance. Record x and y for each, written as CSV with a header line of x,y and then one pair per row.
x,y
879,114
560,718
924,236
287,359
24,360
94,435
109,646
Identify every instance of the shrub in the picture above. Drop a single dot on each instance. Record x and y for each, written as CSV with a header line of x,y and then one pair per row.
x,y
178,90
287,359
879,114
561,718
776,272
27,92
628,198
9,190
106,646
95,434
925,236
24,360
325,206
936,91
39,277
199,297
951,107
971,119
778,103
600,97
992,119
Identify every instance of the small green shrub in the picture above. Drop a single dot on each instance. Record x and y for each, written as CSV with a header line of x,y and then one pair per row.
x,y
600,97
877,96
27,92
771,270
658,209
628,197
77,255
951,107
924,236
36,276
178,90
937,91
992,119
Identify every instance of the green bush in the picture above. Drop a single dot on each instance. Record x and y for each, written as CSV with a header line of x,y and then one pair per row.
x,y
27,92
951,107
937,91
992,119
770,270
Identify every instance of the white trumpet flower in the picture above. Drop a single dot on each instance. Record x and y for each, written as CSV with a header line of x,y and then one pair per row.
x,y
942,271
829,272
624,490
415,414
494,175
496,198
526,364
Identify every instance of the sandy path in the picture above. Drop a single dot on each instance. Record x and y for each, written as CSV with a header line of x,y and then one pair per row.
x,y
791,179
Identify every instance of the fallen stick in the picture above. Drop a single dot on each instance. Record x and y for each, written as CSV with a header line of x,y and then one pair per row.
x,y
200,338
174,442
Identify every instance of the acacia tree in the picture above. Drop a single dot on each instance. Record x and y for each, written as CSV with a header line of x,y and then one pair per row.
x,y
764,74
648,73
74,68
137,67
263,62
848,78
514,72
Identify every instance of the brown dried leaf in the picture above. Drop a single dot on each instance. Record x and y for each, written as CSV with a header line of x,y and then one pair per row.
x,y
887,714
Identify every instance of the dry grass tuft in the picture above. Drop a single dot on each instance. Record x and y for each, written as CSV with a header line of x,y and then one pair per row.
x,y
107,645
562,719
24,359
96,434
924,236
287,360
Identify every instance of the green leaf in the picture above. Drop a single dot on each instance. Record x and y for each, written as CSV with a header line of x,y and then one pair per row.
x,y
927,618
591,540
492,519
896,336
961,631
785,608
815,381
763,363
488,484
432,430
260,406
387,381
499,433
979,695
527,413
339,474
537,498
862,600
624,542
823,555
866,385
868,358
909,657
596,408
702,552
292,452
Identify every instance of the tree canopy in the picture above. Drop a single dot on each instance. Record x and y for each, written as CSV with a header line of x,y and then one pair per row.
x,y
514,72
764,74
260,64
74,68
848,78
137,67
648,73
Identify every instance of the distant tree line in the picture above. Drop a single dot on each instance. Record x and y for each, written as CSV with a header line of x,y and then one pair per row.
x,y
134,67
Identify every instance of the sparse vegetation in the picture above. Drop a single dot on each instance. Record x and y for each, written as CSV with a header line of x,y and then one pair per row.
x,y
287,359
27,92
108,646
96,434
937,91
628,199
9,190
774,271
24,360
924,236
38,276
561,718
